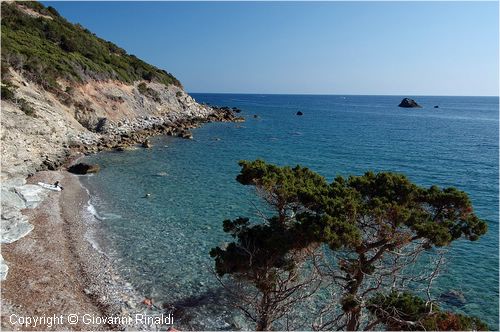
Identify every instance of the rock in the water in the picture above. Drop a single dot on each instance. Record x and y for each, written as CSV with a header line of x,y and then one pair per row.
x,y
300,113
147,144
454,298
409,103
436,106
255,116
82,168
185,134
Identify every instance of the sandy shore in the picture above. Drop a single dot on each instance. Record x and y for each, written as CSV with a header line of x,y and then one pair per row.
x,y
54,270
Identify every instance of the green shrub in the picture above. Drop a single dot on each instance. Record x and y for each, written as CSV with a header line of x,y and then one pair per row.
x,y
142,87
50,49
26,107
7,93
145,90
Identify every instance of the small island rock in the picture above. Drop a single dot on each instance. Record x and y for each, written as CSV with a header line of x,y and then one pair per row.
x,y
300,113
409,103
82,168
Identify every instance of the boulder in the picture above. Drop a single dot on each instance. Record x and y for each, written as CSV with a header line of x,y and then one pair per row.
x,y
147,144
82,168
185,134
300,113
409,103
102,125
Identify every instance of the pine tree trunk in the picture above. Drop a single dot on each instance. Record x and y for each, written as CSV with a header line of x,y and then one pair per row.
x,y
264,323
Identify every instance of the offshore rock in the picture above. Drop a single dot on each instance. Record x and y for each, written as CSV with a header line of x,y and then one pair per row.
x,y
409,103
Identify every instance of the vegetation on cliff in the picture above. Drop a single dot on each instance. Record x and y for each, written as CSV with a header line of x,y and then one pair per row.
x,y
45,47
367,241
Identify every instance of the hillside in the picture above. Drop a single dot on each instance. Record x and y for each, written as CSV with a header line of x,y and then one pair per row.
x,y
47,47
64,90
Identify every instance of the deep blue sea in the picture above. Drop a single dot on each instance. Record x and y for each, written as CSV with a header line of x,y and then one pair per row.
x,y
161,243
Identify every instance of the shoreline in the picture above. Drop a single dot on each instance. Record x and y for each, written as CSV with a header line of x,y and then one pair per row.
x,y
51,260
56,264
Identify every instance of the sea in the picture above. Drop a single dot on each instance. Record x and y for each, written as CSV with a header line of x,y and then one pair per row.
x,y
160,210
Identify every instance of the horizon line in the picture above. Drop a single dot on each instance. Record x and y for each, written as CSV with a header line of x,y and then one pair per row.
x,y
339,94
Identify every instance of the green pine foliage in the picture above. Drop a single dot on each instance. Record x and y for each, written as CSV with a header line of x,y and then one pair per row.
x,y
367,221
49,47
407,312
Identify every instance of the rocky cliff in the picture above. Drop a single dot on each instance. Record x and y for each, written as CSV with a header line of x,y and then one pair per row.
x,y
101,115
66,90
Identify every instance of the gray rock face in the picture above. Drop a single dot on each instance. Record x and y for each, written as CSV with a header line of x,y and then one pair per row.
x,y
409,103
16,195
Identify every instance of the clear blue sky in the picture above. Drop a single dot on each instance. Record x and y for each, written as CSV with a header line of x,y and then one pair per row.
x,y
400,48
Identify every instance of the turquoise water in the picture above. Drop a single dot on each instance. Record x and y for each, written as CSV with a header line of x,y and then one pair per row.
x,y
161,243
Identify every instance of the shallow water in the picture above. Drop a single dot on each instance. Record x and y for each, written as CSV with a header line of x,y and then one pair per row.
x,y
161,243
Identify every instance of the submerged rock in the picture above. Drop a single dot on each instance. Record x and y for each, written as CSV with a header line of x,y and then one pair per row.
x,y
453,297
436,106
82,168
409,103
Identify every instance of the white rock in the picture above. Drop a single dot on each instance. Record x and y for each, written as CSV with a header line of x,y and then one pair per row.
x,y
15,228
32,194
4,269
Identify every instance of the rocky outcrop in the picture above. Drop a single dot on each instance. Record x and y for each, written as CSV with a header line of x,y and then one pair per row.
x,y
147,144
185,134
16,196
82,168
409,103
91,117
